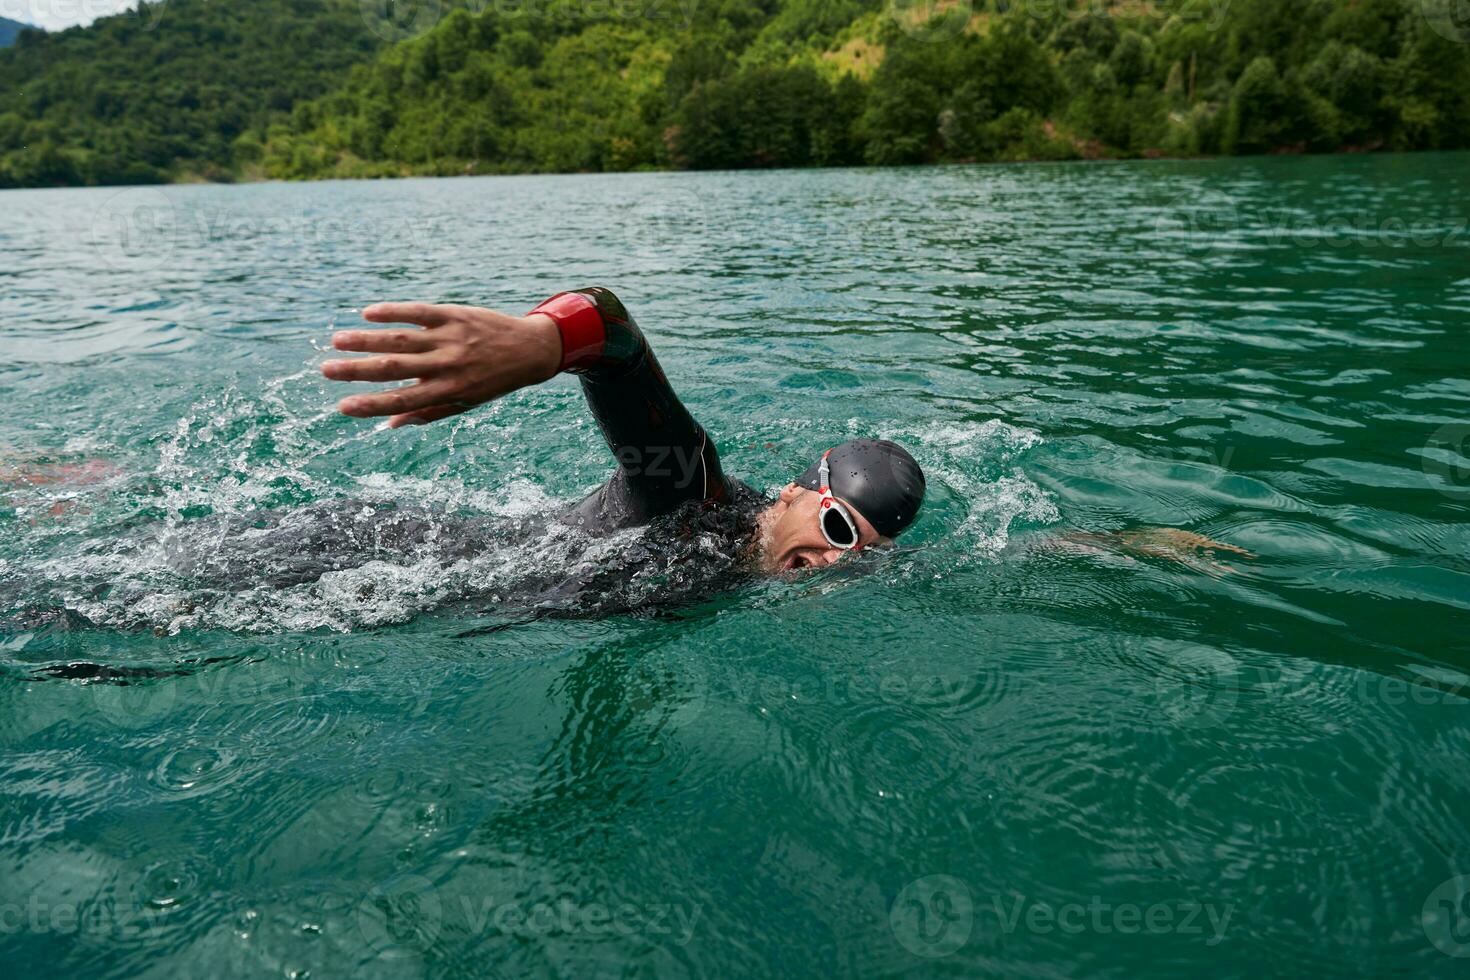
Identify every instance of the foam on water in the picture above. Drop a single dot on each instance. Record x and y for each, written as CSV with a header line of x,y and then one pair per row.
x,y
985,492
252,539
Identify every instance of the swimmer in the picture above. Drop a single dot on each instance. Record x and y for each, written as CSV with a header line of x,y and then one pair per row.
x,y
859,494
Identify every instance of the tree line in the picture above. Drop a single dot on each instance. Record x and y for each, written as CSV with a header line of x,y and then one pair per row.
x,y
568,85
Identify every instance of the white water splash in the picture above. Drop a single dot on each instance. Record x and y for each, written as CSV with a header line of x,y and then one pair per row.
x,y
978,462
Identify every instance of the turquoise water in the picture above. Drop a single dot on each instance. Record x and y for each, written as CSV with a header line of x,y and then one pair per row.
x,y
1042,739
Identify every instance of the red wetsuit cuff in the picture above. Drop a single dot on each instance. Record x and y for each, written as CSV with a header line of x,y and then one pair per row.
x,y
580,325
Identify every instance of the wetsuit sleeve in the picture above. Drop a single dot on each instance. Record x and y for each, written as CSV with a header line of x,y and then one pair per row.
x,y
664,457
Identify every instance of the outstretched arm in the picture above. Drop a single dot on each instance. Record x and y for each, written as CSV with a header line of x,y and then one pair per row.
x,y
466,356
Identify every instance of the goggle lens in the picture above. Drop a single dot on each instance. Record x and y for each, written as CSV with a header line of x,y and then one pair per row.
x,y
836,528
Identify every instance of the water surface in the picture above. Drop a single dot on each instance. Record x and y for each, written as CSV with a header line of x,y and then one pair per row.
x,y
1023,745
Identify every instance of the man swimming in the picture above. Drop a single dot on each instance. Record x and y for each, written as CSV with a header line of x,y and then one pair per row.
x,y
860,494
667,529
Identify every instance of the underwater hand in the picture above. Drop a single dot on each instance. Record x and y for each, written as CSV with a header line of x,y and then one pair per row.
x,y
464,356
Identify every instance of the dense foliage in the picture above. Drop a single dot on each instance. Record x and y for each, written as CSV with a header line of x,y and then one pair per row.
x,y
575,85
161,93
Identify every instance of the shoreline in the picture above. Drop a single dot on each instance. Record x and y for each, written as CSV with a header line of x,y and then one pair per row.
x,y
195,180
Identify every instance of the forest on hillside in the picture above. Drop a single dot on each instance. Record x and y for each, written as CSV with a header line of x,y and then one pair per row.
x,y
316,89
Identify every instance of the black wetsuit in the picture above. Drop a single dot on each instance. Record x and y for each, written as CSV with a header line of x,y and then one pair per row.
x,y
699,525
665,458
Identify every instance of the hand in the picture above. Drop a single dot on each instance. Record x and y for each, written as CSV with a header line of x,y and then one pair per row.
x,y
464,356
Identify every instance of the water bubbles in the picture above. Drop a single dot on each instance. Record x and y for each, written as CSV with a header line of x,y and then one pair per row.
x,y
168,884
195,770
976,482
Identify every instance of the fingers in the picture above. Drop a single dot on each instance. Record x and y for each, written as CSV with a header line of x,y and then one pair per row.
x,y
399,401
424,314
382,368
426,415
384,341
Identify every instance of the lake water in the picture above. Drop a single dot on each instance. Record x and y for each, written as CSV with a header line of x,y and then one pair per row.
x,y
1042,739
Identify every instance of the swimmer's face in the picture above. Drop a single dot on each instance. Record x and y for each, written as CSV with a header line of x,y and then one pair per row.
x,y
790,537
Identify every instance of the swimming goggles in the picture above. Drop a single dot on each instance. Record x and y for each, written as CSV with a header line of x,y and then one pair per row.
x,y
837,524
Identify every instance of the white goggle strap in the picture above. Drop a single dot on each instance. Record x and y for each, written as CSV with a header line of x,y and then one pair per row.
x,y
824,473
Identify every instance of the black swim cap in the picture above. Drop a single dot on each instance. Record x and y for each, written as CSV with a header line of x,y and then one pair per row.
x,y
877,477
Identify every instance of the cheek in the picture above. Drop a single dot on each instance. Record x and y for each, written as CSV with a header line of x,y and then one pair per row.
x,y
794,522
